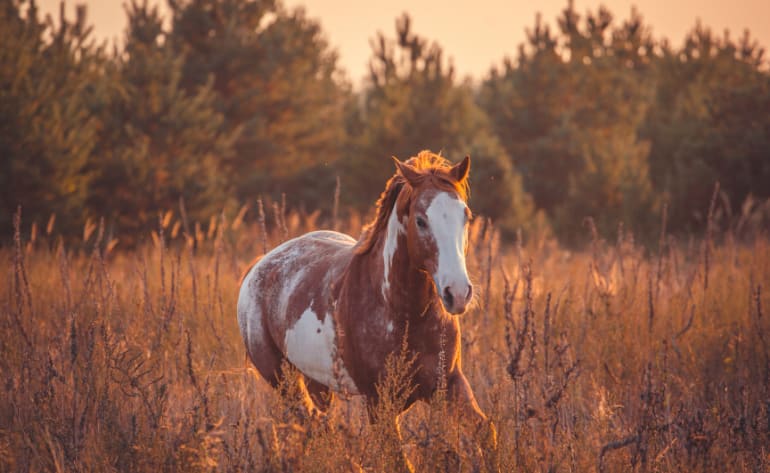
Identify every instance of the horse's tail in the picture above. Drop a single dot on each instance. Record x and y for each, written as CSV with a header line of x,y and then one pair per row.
x,y
248,268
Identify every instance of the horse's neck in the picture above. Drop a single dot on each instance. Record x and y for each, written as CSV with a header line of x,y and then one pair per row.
x,y
406,293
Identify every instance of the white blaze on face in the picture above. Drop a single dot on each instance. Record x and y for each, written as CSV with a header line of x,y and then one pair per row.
x,y
310,346
446,220
389,248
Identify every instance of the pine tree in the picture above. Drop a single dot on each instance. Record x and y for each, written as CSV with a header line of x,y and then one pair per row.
x,y
47,131
158,141
569,111
709,122
276,81
525,101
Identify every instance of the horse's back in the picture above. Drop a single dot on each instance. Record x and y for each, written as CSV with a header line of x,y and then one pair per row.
x,y
286,302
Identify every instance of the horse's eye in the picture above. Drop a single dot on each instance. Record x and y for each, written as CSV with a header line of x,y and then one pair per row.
x,y
421,223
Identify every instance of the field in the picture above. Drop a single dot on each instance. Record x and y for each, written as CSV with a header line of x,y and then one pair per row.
x,y
611,358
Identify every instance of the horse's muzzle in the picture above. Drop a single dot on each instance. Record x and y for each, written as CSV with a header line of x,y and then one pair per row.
x,y
456,299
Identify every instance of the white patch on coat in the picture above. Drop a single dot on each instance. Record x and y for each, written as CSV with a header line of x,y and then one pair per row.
x,y
310,346
395,228
446,220
390,326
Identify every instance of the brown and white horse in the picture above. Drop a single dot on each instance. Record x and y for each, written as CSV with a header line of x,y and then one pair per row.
x,y
404,279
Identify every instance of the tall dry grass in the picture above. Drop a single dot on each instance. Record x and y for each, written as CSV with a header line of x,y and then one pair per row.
x,y
610,359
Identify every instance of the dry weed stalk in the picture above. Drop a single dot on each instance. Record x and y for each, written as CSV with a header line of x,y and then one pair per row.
x,y
709,237
21,284
262,225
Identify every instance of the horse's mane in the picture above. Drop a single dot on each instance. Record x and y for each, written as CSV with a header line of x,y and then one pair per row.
x,y
433,168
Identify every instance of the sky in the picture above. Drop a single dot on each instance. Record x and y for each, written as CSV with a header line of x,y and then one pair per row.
x,y
475,34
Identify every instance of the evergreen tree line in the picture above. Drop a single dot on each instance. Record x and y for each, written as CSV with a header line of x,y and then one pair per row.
x,y
228,100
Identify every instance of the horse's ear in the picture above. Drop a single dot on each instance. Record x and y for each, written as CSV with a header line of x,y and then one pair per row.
x,y
410,173
460,170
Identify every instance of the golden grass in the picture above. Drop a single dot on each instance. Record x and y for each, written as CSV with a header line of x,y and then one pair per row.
x,y
608,359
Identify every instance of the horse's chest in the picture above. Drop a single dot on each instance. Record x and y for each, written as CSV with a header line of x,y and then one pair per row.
x,y
435,359
368,347
431,351
375,342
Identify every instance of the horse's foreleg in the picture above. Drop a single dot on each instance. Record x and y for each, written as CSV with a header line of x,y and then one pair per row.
x,y
389,428
460,394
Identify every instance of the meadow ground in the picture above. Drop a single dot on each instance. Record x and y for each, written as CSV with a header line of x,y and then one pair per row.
x,y
613,358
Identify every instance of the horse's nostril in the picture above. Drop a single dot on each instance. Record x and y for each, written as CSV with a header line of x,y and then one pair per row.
x,y
448,298
470,293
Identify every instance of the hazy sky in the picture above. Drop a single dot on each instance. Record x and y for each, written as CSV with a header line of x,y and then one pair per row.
x,y
475,34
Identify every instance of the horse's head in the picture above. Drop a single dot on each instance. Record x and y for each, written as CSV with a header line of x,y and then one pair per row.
x,y
437,218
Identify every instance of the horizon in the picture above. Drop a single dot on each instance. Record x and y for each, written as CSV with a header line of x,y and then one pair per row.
x,y
495,33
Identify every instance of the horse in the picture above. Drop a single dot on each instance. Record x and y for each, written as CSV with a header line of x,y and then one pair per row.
x,y
335,307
